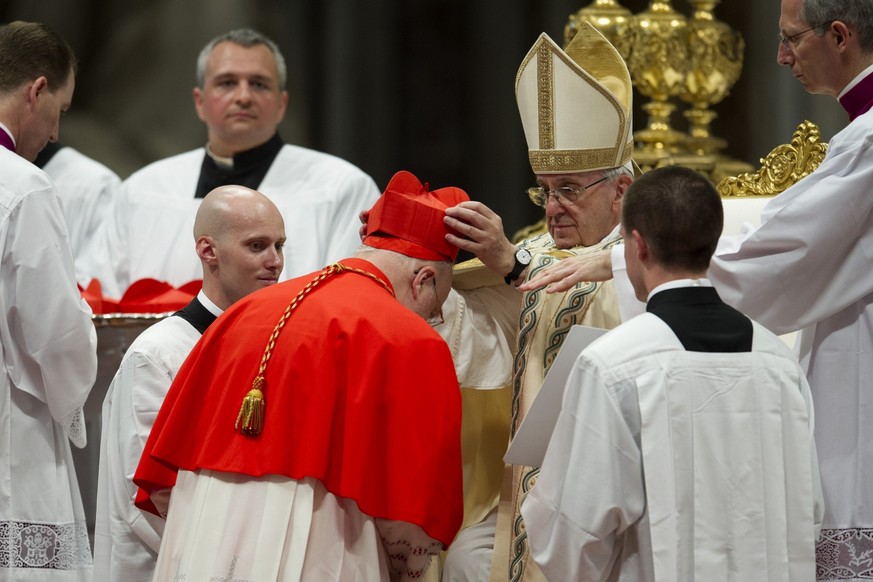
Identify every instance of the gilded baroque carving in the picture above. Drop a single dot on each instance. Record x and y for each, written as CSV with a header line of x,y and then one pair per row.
x,y
782,167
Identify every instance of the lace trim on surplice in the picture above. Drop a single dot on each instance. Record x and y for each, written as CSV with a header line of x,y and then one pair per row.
x,y
51,546
844,554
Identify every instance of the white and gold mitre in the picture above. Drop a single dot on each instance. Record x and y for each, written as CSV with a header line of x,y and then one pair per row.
x,y
575,104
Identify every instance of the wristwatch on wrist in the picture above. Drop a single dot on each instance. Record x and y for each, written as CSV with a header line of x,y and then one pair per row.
x,y
522,260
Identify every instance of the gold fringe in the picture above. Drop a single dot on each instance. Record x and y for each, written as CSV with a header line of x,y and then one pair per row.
x,y
250,420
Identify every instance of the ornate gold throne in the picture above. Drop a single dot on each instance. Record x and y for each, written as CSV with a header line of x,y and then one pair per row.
x,y
745,195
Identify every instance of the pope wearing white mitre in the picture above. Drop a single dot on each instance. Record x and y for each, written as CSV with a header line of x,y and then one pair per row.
x,y
683,450
575,107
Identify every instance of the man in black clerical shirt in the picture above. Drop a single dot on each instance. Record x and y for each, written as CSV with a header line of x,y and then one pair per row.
x,y
239,236
671,228
240,96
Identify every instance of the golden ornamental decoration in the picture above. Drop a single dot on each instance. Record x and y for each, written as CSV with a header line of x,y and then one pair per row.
x,y
608,16
715,63
658,63
782,167
697,59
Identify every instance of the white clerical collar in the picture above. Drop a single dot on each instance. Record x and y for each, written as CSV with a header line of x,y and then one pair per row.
x,y
209,305
9,133
223,162
679,283
855,81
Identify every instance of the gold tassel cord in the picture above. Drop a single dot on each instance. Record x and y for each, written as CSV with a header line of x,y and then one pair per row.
x,y
250,419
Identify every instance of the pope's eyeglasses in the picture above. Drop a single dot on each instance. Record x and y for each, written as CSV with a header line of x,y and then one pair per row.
x,y
564,195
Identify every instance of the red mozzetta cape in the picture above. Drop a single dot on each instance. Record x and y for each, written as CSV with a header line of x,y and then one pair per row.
x,y
360,393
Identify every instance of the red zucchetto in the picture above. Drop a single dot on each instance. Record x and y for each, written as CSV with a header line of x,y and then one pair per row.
x,y
408,219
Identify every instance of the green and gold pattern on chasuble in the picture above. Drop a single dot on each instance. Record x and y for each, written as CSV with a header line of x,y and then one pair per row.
x,y
570,310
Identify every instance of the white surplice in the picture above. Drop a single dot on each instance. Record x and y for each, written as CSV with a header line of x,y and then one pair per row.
x,y
87,190
673,465
227,526
48,345
127,539
807,267
150,234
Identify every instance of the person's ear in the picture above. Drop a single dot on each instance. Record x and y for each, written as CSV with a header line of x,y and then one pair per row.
x,y
283,106
841,33
205,248
621,185
37,89
422,279
642,248
197,95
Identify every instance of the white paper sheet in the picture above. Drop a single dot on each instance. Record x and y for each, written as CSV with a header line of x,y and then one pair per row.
x,y
532,438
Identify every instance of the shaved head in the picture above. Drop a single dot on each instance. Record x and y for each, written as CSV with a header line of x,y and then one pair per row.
x,y
240,235
227,207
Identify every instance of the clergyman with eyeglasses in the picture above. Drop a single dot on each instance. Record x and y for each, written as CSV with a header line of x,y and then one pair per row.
x,y
504,341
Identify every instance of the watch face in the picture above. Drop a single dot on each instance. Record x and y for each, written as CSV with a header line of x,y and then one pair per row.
x,y
523,256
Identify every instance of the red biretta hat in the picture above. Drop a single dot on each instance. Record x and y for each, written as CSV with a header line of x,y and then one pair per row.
x,y
408,219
